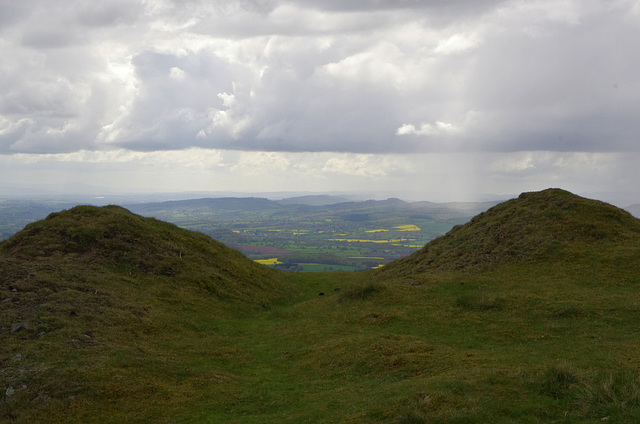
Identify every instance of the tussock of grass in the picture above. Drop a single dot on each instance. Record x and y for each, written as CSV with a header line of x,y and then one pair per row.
x,y
360,292
479,302
614,394
558,380
606,396
567,310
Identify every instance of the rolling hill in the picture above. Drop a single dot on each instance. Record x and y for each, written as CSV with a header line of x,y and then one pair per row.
x,y
88,292
527,313
542,227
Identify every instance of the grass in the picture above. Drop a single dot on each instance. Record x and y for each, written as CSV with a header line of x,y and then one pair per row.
x,y
112,341
368,352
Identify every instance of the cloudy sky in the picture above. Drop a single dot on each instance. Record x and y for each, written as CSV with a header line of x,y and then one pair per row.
x,y
428,99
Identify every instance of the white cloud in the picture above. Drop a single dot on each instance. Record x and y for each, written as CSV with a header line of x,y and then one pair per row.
x,y
177,73
457,43
378,65
439,128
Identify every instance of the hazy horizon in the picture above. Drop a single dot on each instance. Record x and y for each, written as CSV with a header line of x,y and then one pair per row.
x,y
103,195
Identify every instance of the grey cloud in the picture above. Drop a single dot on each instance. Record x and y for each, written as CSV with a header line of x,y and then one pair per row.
x,y
175,97
573,91
53,38
230,75
469,6
109,13
12,12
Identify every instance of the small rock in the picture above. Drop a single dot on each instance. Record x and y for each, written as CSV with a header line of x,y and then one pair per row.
x,y
9,392
41,252
18,327
18,357
14,290
321,294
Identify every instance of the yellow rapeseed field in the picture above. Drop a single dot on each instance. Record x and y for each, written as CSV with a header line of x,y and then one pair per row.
x,y
272,261
409,227
368,241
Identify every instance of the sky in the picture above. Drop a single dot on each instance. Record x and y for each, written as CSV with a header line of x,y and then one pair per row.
x,y
418,99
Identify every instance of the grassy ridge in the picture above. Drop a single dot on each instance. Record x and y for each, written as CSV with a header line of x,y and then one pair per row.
x,y
546,335
548,226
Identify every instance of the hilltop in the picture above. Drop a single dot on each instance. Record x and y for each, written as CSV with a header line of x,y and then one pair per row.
x,y
527,313
125,243
539,227
92,295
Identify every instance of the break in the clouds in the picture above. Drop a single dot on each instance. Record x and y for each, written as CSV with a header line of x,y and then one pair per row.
x,y
366,77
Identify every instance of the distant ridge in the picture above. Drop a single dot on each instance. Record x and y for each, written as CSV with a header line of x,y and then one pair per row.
x,y
313,200
222,203
550,225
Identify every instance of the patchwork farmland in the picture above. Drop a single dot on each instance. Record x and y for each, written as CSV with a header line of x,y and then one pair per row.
x,y
346,236
292,234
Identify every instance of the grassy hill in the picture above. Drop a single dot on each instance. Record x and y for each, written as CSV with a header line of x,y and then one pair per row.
x,y
542,227
101,306
528,313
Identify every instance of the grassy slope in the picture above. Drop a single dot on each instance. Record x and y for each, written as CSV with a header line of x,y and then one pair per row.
x,y
116,307
542,227
549,335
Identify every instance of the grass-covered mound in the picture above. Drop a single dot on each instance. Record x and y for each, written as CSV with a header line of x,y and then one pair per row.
x,y
122,242
98,305
538,227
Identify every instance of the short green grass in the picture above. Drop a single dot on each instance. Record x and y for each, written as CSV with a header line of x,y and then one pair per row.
x,y
112,341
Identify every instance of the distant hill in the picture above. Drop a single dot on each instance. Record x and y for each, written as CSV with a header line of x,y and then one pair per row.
x,y
223,203
551,225
313,200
